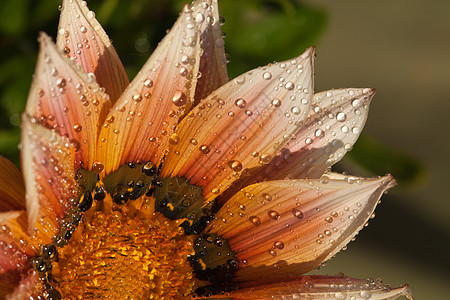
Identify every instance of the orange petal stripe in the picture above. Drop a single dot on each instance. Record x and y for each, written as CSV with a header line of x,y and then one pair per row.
x,y
83,39
297,222
48,166
242,125
139,125
65,98
12,187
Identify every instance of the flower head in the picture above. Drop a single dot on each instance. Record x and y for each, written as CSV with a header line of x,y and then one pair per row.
x,y
180,183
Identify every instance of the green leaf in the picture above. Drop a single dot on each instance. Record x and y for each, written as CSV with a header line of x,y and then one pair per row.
x,y
379,159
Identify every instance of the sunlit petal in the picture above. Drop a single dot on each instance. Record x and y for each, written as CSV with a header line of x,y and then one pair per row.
x,y
242,125
12,188
140,123
65,98
213,66
28,288
82,38
48,166
295,224
320,287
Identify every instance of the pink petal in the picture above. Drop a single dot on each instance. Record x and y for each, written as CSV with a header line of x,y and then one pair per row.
x,y
15,244
291,226
48,166
242,125
140,123
65,98
213,66
28,288
12,188
82,38
333,126
320,287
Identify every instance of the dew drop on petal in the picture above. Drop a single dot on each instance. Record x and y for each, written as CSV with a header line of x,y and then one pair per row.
x,y
98,167
241,103
273,215
255,220
267,75
297,213
179,98
341,117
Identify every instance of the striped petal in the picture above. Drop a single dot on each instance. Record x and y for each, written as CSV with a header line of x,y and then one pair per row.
x,y
292,226
63,97
242,125
48,166
213,66
333,126
139,125
320,287
83,39
15,247
29,287
12,187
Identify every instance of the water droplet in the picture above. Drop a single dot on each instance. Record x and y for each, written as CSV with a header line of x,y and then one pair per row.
x,y
137,97
273,252
194,142
344,129
356,103
329,219
241,103
266,197
235,165
98,167
273,215
255,220
290,85
276,102
341,117
295,110
199,18
83,29
297,213
215,191
265,158
61,82
174,139
205,149
365,294
179,98
77,127
267,75
279,245
319,133
148,83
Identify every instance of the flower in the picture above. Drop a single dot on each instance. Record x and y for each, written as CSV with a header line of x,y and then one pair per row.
x,y
180,183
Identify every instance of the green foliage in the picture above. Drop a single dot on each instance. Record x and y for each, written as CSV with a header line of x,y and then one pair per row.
x,y
380,159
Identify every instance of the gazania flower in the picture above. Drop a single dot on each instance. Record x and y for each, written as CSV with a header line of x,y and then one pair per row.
x,y
180,183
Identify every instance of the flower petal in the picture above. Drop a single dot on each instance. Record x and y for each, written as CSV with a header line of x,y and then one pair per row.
x,y
295,225
65,98
137,127
15,247
333,126
29,287
48,166
331,129
12,188
213,65
320,287
242,125
82,38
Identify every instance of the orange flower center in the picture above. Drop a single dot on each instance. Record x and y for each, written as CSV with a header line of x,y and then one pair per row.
x,y
115,257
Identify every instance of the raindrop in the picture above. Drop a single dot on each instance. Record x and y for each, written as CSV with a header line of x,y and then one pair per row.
x,y
179,98
341,117
77,127
235,165
98,167
295,110
205,149
174,139
83,29
265,158
241,103
61,82
290,85
267,75
148,83
273,215
199,18
137,97
276,102
267,197
273,252
255,220
297,213
279,245
319,133
329,219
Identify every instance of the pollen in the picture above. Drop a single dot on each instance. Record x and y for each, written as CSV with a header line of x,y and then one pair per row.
x,y
115,257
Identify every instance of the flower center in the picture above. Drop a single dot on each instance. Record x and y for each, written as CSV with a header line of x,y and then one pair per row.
x,y
115,257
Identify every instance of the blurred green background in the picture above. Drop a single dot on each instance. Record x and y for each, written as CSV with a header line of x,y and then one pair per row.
x,y
401,48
